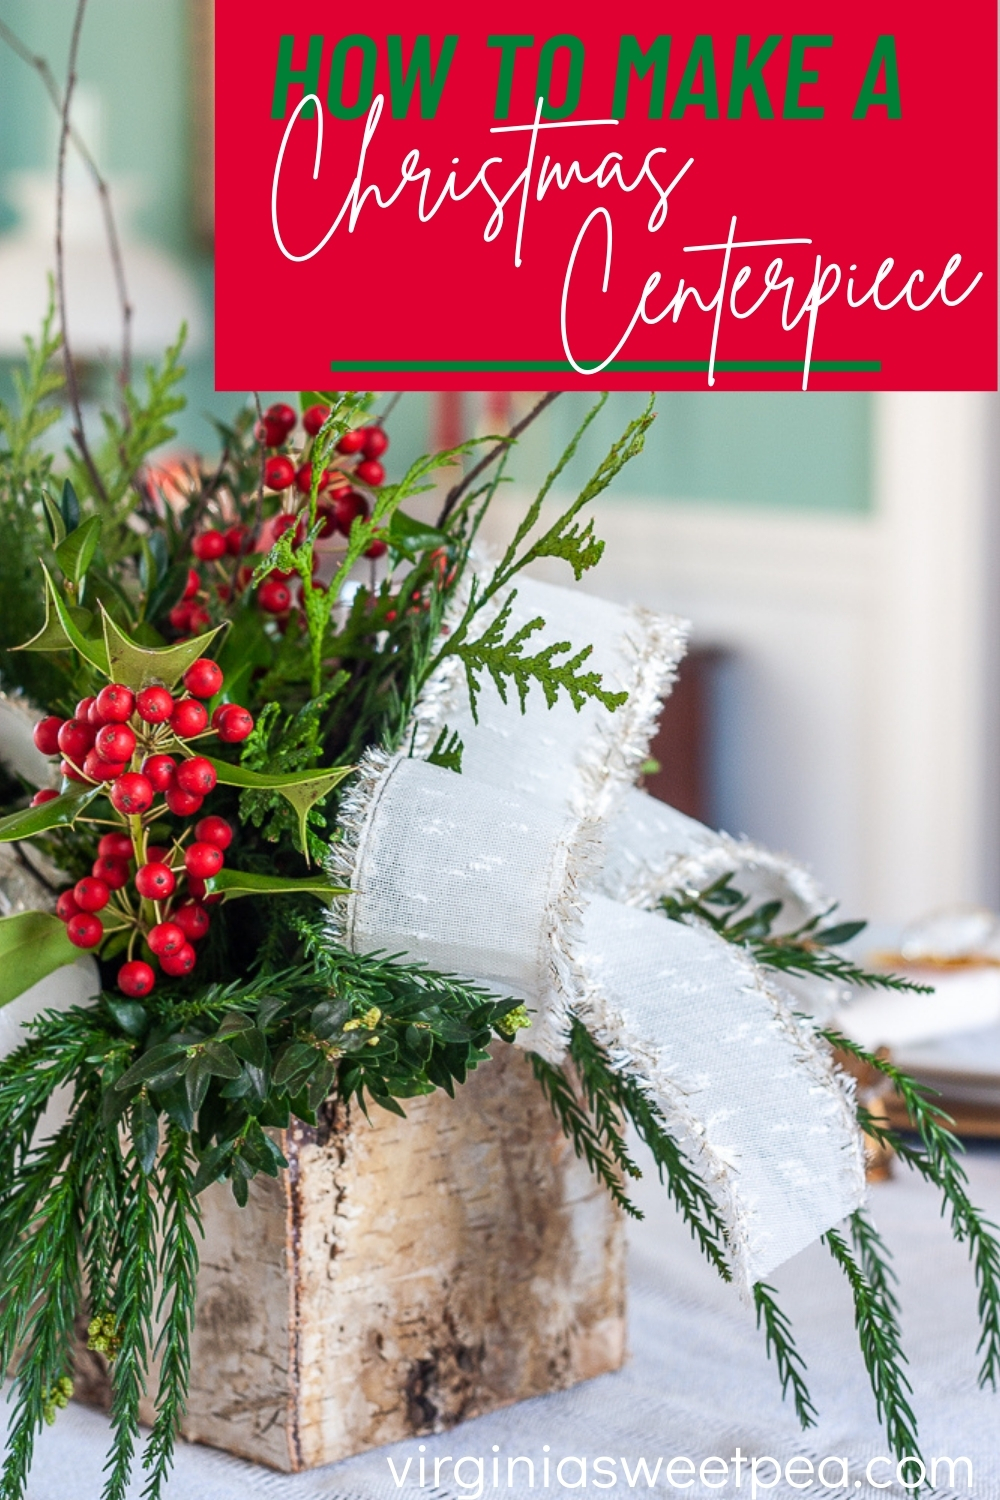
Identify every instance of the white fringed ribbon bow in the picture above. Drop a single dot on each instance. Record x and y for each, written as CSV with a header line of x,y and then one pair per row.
x,y
535,871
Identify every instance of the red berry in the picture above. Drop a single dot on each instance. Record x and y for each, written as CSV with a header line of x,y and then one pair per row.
x,y
99,769
198,619
193,584
214,830
197,775
82,710
115,703
370,471
180,617
155,881
352,442
279,473
84,930
192,919
159,771
114,872
283,523
166,938
67,907
375,442
378,548
115,742
114,846
179,962
155,855
154,705
45,795
232,723
91,893
136,979
188,718
70,772
347,508
235,539
132,794
203,860
274,596
280,414
313,419
182,804
46,735
203,678
75,738
209,546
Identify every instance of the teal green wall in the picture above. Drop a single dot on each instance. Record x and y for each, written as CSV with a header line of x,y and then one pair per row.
x,y
803,451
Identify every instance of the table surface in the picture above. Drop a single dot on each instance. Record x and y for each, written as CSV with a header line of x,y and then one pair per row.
x,y
697,1382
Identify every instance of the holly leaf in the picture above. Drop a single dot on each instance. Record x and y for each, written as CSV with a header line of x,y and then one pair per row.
x,y
234,883
33,944
55,813
76,552
138,666
61,631
303,789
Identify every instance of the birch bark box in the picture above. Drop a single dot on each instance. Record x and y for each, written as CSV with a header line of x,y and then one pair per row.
x,y
402,1276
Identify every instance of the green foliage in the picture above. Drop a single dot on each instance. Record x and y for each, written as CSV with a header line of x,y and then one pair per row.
x,y
781,1348
280,745
129,439
936,1160
24,472
506,664
804,952
879,1337
447,751
80,1215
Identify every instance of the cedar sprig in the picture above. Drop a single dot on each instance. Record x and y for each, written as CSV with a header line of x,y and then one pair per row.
x,y
881,1349
806,951
936,1160
178,1273
780,1346
594,1125
578,1125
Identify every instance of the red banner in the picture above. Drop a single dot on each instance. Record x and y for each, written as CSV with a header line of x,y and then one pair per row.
x,y
766,197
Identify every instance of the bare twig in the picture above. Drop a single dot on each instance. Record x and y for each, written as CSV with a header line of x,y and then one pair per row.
x,y
41,67
72,384
393,403
458,490
263,463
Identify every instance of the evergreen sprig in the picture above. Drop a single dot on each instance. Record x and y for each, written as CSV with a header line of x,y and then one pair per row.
x,y
805,951
780,1346
507,664
881,1347
936,1160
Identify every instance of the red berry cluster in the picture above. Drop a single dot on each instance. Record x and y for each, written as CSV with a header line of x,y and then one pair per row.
x,y
121,738
339,504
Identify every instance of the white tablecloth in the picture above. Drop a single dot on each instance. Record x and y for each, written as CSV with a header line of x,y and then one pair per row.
x,y
697,1382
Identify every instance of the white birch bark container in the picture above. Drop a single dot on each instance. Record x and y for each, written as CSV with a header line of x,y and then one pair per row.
x,y
400,1277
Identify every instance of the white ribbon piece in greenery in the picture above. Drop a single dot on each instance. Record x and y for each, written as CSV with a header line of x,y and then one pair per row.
x,y
501,874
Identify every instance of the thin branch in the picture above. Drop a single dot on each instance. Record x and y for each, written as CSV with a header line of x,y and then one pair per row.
x,y
41,67
393,403
72,385
263,463
458,490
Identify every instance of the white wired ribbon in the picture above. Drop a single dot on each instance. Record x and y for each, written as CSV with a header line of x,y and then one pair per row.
x,y
529,872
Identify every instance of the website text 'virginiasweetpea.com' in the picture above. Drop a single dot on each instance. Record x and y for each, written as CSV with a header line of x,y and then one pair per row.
x,y
474,1475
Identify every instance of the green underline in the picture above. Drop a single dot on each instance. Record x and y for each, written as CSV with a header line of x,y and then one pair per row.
x,y
623,366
